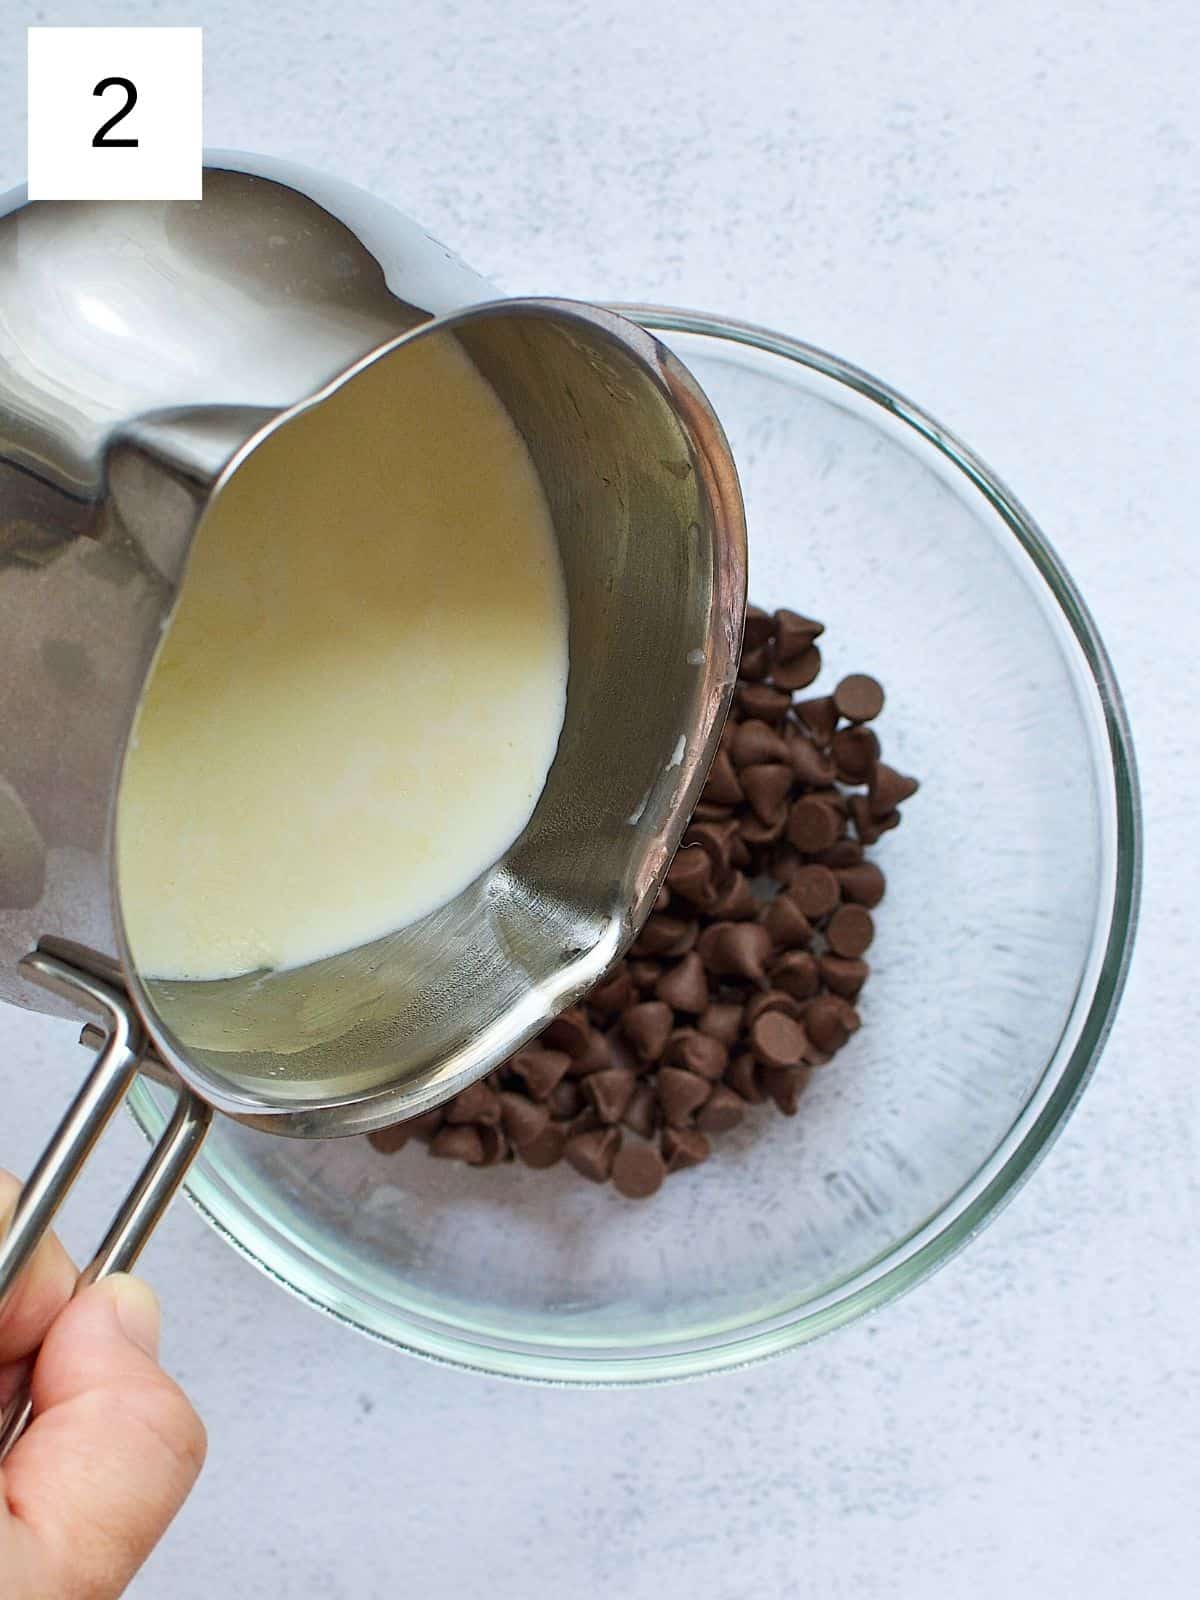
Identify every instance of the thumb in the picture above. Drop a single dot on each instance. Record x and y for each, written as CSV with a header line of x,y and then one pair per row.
x,y
114,1447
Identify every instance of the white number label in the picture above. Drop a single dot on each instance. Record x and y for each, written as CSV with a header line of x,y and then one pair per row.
x,y
115,114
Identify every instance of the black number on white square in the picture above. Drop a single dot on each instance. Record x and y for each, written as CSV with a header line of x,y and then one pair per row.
x,y
101,139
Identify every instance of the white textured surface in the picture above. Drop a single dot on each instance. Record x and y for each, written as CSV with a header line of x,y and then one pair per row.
x,y
997,207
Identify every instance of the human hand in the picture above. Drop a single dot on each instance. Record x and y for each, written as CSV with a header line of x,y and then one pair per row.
x,y
114,1447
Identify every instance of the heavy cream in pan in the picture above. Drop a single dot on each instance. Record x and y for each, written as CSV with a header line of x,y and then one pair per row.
x,y
361,692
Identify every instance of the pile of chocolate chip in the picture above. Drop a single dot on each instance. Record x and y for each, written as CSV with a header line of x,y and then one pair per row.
x,y
744,978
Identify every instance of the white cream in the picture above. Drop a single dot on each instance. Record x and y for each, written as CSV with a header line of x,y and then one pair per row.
x,y
361,693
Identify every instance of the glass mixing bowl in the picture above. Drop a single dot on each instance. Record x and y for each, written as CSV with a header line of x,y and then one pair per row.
x,y
999,958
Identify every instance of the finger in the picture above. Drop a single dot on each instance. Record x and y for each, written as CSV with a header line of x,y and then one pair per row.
x,y
114,1447
41,1291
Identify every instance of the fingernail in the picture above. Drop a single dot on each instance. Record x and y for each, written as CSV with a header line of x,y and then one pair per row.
x,y
137,1308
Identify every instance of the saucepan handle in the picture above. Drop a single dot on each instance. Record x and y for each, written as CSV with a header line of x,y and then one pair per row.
x,y
106,1085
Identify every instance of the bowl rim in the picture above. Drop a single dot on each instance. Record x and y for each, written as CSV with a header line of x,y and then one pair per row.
x,y
907,1261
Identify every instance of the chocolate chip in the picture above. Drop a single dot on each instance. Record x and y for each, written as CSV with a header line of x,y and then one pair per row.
x,y
755,665
859,698
745,1078
569,1031
816,891
868,826
495,1145
723,1021
889,789
584,1121
642,1112
863,883
760,834
786,923
691,874
722,787
477,1103
736,950
844,975
715,839
610,1092
681,1094
388,1140
795,634
684,1147
666,936
721,1111
614,993
850,930
819,716
755,744
592,1153
736,902
778,1041
648,1027
825,1025
567,1101
645,974
798,673
621,1052
773,1000
851,1020
767,787
837,801
707,812
865,825
783,1085
427,1124
545,1148
783,863
684,986
638,1171
797,974
523,1119
739,853
813,825
812,766
595,1057
541,1069
458,1143
761,701
842,853
759,627
855,751
698,1052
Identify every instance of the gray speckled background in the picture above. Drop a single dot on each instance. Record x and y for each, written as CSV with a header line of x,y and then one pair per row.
x,y
997,207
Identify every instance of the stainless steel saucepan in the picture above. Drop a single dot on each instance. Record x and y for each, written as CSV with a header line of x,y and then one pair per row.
x,y
145,349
